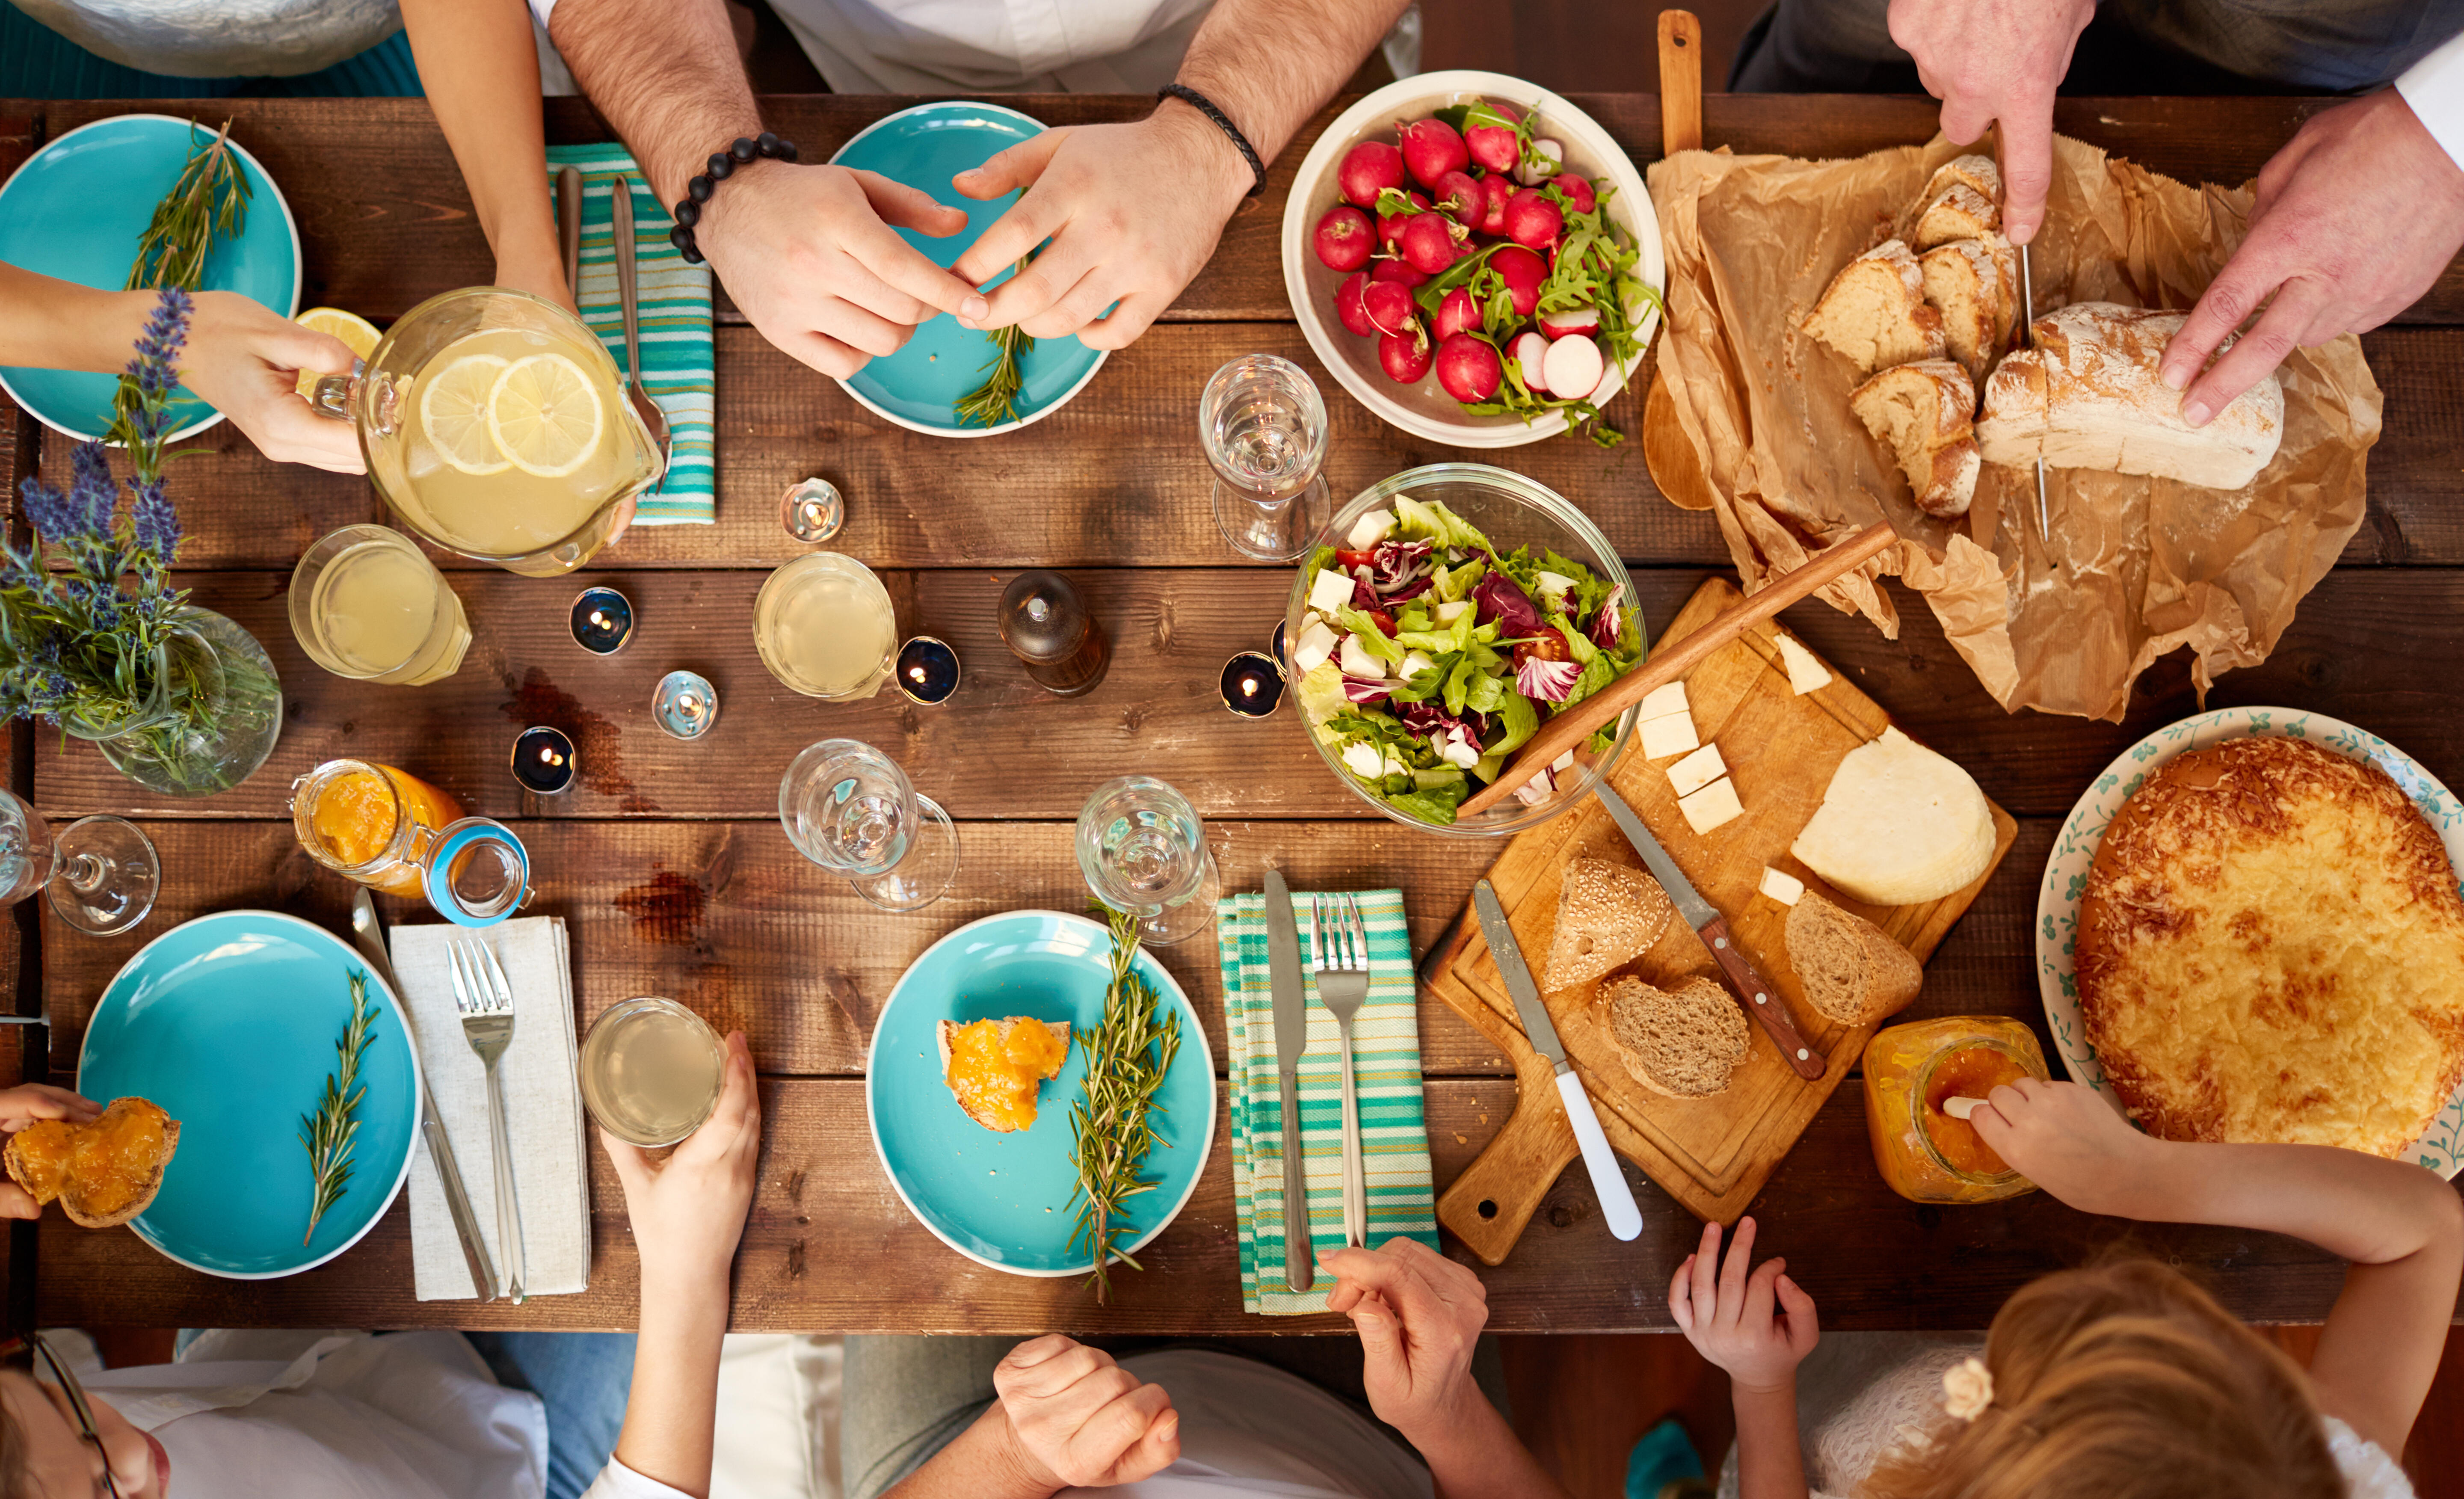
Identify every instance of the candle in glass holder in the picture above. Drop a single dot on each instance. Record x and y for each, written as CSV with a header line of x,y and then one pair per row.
x,y
812,511
543,760
1047,626
685,705
603,621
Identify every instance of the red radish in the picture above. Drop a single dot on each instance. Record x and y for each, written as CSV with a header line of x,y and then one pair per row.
x,y
1431,149
1350,306
1585,320
1574,368
1427,241
1396,271
1467,367
1551,158
1368,168
1389,308
1494,147
1404,356
1523,271
1531,354
1391,225
1577,190
1455,314
1343,238
1531,219
1461,194
1492,218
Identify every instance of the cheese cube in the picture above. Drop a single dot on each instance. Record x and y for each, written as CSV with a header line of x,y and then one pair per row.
x,y
1697,770
1358,662
1448,613
1362,760
1673,735
1414,662
1371,529
1804,673
1331,590
1563,763
1315,645
1712,806
1662,701
1782,886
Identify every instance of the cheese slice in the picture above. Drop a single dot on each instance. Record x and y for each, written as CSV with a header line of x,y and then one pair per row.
x,y
1662,701
1712,806
1899,825
1782,886
1804,673
1673,735
1697,770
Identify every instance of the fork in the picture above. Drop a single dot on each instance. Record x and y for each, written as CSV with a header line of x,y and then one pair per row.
x,y
1340,951
486,1002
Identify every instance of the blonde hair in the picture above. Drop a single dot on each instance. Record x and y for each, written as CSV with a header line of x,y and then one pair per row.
x,y
2124,1382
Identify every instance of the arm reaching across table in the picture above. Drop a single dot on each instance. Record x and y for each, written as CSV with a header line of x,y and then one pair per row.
x,y
1997,62
1758,1327
480,68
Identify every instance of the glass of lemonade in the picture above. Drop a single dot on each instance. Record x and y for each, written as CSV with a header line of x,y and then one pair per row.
x,y
367,604
494,425
651,1072
824,627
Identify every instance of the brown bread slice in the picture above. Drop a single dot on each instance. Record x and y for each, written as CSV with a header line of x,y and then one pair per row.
x,y
1849,968
1607,915
103,1173
1687,1044
945,1029
1875,311
1923,410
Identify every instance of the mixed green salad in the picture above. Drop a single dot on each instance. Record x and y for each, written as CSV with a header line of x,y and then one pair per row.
x,y
1427,657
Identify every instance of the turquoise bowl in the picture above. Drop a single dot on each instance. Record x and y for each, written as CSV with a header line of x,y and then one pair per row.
x,y
916,388
76,210
229,1022
1003,1201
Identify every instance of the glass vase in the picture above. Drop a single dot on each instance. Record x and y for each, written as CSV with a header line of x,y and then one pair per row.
x,y
209,719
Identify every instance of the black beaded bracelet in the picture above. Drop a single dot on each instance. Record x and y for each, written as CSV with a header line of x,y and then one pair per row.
x,y
721,165
1224,122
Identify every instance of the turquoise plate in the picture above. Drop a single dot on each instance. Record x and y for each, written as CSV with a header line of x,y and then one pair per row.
x,y
924,147
229,1022
76,210
1003,1201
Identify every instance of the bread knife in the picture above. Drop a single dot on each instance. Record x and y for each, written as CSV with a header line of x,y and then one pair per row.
x,y
1292,1041
1752,991
1617,1199
2027,312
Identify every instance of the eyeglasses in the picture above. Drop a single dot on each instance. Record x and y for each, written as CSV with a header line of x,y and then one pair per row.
x,y
36,1350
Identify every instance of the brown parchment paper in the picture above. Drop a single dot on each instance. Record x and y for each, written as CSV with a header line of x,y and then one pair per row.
x,y
2136,567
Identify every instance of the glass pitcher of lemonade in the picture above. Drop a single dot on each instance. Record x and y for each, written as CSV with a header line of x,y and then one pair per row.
x,y
494,425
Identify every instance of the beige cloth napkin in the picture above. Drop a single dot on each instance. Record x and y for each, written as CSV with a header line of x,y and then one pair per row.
x,y
542,1110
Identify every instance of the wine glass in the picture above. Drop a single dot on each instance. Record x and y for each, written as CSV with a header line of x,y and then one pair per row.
x,y
102,871
1143,850
1263,425
850,808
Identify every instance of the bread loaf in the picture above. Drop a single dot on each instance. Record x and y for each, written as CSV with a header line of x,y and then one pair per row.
x,y
1961,212
1975,284
1875,311
2088,396
1923,410
1685,1044
1849,968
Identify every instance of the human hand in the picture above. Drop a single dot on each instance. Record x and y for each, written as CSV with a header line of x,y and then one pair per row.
x,y
688,1211
1133,210
2352,222
2066,1139
1078,1419
21,1106
810,256
1419,1315
1998,61
243,359
1730,1318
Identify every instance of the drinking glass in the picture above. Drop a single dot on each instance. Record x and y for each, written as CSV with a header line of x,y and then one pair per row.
x,y
100,870
651,1070
1263,428
824,627
850,808
1143,850
367,605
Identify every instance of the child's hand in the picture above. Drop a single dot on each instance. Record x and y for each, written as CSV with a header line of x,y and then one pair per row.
x,y
1078,1419
688,1211
22,1105
1731,1319
2066,1139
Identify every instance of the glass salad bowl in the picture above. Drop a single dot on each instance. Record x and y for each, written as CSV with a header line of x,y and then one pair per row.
x,y
1512,512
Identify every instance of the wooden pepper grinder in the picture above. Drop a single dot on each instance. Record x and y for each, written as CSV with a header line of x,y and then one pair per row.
x,y
1047,626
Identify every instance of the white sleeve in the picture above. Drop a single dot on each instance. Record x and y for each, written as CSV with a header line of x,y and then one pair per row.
x,y
542,10
616,1481
2433,87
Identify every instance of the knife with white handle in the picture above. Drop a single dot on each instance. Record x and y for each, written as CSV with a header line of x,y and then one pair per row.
x,y
1617,1199
1292,1041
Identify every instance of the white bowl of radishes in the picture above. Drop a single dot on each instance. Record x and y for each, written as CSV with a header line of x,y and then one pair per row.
x,y
1474,258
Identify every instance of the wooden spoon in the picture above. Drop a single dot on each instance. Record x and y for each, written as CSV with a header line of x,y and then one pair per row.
x,y
1675,465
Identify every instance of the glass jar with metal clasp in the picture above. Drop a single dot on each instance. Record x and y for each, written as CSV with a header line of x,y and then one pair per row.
x,y
391,832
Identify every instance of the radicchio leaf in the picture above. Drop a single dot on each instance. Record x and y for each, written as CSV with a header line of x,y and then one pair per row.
x,y
1364,593
1408,591
1499,600
1364,690
1393,564
1607,629
1546,681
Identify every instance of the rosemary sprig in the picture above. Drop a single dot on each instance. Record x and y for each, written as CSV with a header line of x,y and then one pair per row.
x,y
1128,1054
209,198
330,1129
996,399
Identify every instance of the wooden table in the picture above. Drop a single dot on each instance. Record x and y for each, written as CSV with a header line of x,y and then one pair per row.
x,y
670,866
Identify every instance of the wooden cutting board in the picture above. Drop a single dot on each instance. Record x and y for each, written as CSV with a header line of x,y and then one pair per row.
x,y
1714,1153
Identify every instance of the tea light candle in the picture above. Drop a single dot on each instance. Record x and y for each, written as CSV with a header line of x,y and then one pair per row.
x,y
1252,687
685,705
543,760
603,621
812,511
927,670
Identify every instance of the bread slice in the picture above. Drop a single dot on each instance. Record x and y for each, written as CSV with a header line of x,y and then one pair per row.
x,y
1849,968
1960,212
1685,1045
1607,915
1922,410
1875,312
983,1098
103,1173
1975,284
2088,396
1976,173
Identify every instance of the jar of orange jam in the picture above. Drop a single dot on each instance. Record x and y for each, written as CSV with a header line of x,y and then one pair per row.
x,y
363,821
1912,1070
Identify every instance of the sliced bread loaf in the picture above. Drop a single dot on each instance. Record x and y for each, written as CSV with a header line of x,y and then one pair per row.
x,y
1961,212
1849,968
1875,311
1923,410
1607,915
1685,1045
1975,284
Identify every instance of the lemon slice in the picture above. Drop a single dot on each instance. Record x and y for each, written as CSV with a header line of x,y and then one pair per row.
x,y
546,414
354,330
454,413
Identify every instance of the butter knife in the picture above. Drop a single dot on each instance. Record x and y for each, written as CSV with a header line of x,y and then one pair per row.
x,y
568,227
1292,1041
370,940
1753,992
1617,1199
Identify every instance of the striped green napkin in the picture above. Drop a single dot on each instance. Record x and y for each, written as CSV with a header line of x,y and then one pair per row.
x,y
674,299
1386,1069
